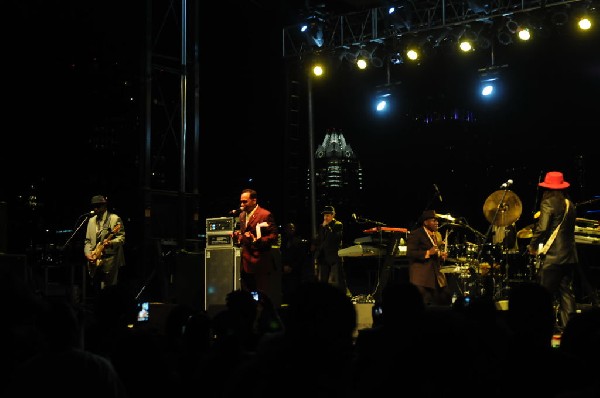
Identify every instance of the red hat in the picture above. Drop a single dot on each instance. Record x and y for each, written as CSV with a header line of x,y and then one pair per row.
x,y
554,180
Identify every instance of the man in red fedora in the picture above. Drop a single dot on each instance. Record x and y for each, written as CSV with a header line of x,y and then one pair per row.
x,y
553,244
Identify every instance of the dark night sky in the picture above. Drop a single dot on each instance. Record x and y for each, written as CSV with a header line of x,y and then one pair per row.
x,y
63,56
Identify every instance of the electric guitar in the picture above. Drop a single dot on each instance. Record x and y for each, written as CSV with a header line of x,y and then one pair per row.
x,y
99,251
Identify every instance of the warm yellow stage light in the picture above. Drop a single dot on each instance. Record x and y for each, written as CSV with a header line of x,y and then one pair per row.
x,y
584,23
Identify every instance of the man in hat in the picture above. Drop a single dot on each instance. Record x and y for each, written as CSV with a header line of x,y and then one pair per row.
x,y
423,249
553,244
103,245
327,244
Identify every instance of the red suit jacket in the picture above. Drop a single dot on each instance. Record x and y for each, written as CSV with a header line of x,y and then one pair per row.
x,y
256,255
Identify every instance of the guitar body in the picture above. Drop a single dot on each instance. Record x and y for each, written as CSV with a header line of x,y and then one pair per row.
x,y
99,251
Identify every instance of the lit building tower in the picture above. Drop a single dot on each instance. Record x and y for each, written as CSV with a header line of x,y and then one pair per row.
x,y
338,174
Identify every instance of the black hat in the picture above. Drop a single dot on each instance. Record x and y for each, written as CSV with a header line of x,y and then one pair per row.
x,y
328,210
427,214
98,199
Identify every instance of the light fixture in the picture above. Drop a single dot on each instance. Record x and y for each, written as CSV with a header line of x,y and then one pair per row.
x,y
313,28
584,23
412,53
524,33
490,82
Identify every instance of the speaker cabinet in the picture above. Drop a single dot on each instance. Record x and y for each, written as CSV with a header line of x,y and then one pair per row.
x,y
222,276
188,280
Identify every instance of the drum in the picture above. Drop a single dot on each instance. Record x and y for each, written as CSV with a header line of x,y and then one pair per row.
x,y
491,253
462,252
517,266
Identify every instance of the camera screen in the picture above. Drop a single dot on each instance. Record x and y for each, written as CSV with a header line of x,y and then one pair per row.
x,y
255,295
143,312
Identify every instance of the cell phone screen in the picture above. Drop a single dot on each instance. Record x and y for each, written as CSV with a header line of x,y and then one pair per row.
x,y
143,312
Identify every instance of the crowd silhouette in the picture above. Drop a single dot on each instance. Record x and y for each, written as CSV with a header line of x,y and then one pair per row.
x,y
309,347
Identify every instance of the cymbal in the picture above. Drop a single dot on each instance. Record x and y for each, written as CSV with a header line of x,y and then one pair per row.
x,y
526,232
508,207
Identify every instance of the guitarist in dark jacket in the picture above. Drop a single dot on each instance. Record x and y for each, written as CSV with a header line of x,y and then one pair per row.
x,y
557,266
103,247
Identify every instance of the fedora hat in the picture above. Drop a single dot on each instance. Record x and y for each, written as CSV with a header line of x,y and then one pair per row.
x,y
98,199
427,214
328,210
554,180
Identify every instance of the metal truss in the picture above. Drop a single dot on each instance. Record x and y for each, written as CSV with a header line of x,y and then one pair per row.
x,y
413,17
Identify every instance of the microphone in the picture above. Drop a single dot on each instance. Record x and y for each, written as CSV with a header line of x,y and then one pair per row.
x,y
235,212
507,184
438,192
88,214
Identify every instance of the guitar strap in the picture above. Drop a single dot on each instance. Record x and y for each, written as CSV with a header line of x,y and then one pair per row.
x,y
103,230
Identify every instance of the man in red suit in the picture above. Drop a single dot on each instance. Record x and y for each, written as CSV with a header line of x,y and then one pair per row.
x,y
256,236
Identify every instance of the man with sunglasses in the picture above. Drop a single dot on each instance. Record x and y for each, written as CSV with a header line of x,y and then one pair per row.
x,y
256,236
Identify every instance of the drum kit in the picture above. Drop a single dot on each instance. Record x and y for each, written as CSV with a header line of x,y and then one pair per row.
x,y
488,268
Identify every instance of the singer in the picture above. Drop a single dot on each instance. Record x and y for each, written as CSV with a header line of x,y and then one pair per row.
x,y
257,234
326,247
103,245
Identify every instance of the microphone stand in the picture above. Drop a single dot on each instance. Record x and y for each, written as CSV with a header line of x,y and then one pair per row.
x,y
378,224
67,244
487,237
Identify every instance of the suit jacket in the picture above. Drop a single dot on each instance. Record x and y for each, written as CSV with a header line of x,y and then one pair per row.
x,y
422,271
552,209
329,242
256,256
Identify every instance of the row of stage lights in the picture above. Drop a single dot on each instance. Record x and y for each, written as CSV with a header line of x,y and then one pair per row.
x,y
488,77
466,43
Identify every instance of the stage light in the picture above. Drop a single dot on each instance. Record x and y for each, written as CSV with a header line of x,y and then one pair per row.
x,y
524,34
490,82
313,28
412,54
318,70
361,63
382,102
584,23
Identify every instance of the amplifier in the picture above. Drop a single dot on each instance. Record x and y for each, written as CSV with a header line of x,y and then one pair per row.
x,y
220,240
219,225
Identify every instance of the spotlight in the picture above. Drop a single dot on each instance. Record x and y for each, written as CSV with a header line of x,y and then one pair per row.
x,y
524,34
489,82
584,23
313,28
412,54
396,58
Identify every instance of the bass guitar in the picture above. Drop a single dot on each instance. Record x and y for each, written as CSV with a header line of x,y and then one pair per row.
x,y
99,251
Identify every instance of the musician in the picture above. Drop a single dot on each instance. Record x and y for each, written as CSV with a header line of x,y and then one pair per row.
x,y
326,250
256,236
103,245
425,255
556,268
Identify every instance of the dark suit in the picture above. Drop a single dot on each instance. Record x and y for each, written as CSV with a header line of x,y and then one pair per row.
x,y
425,272
257,259
328,243
558,264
